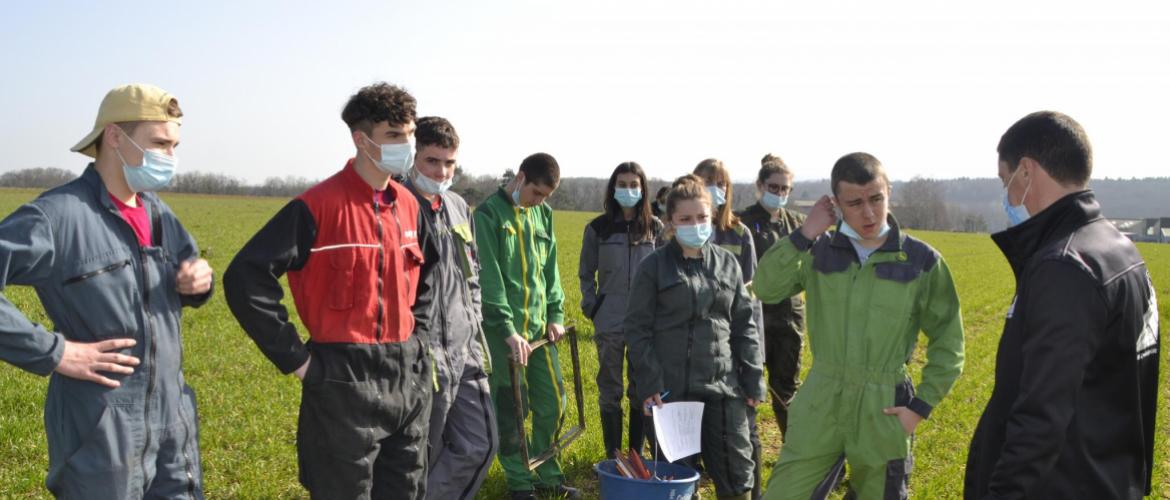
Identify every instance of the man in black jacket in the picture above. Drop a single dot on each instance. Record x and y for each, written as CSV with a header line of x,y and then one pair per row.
x,y
1072,412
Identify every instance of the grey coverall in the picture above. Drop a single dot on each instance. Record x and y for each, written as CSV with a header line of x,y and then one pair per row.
x,y
96,282
463,437
610,254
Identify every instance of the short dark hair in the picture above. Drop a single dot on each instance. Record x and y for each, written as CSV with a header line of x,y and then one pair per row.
x,y
377,103
857,168
1055,141
435,131
771,165
541,168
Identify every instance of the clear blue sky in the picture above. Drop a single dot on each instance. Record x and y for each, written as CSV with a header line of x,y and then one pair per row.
x,y
926,86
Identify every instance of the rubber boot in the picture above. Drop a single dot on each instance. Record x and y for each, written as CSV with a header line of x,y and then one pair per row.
x,y
636,433
611,431
757,488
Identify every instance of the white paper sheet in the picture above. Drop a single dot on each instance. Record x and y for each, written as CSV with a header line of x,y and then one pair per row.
x,y
679,427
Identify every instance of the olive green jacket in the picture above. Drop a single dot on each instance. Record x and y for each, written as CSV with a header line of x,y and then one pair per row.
x,y
690,329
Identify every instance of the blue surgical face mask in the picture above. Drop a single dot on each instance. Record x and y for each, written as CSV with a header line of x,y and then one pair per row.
x,y
396,158
431,186
694,235
154,174
627,197
1016,214
772,201
516,196
848,230
718,195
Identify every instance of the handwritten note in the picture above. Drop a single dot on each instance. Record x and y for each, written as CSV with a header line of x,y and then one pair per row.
x,y
679,428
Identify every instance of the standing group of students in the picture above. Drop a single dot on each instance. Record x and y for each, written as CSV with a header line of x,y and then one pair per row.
x,y
415,305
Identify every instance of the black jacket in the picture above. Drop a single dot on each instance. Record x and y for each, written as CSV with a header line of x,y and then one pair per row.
x,y
1076,376
788,313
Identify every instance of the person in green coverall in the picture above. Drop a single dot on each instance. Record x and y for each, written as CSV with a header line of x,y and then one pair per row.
x,y
523,302
870,290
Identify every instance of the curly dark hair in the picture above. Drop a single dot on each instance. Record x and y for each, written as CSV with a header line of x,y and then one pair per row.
x,y
377,103
435,131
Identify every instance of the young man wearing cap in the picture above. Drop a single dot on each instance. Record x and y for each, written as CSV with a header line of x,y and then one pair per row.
x,y
350,248
523,302
113,268
463,422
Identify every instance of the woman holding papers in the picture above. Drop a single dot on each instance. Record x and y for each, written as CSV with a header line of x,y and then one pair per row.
x,y
690,330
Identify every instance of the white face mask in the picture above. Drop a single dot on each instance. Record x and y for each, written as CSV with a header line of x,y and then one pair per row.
x,y
431,186
396,158
718,195
1016,214
154,174
773,201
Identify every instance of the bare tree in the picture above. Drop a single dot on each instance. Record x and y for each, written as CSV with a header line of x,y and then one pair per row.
x,y
922,205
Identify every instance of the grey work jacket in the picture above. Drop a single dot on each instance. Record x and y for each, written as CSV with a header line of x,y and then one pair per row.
x,y
450,318
96,283
610,254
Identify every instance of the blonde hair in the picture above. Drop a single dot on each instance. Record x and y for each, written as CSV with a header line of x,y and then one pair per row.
x,y
713,168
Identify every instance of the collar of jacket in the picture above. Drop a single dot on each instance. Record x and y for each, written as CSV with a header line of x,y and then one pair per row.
x,y
1060,219
507,197
758,210
675,250
424,204
354,183
893,239
94,180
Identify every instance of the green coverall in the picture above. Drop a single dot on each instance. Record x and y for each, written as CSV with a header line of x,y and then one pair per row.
x,y
521,290
863,324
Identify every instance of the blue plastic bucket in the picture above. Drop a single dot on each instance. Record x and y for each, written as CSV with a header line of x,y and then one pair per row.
x,y
616,487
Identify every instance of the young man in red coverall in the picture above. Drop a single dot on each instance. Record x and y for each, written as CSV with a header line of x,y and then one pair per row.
x,y
350,248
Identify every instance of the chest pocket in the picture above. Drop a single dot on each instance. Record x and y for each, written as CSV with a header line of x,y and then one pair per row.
x,y
103,291
613,255
543,242
674,301
413,260
724,295
507,241
894,289
465,249
342,262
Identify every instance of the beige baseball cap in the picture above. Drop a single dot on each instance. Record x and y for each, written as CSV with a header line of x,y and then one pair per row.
x,y
130,103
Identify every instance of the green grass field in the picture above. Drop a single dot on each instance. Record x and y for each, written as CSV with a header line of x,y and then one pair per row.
x,y
248,410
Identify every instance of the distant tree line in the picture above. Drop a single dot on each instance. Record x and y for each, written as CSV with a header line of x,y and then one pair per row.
x,y
187,182
37,177
965,204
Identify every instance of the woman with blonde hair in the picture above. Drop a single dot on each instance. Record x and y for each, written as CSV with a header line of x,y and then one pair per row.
x,y
692,337
731,234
